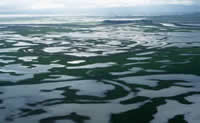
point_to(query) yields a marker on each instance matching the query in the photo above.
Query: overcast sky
(7, 6)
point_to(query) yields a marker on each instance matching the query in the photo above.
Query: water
(99, 69)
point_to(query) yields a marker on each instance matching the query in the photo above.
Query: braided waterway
(99, 70)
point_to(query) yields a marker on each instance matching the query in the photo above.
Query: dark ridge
(127, 21)
(188, 25)
(144, 114)
(178, 119)
(73, 116)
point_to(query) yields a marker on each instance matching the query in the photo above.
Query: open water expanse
(100, 69)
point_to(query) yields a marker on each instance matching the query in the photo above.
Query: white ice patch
(168, 111)
(8, 50)
(120, 73)
(28, 58)
(82, 54)
(167, 92)
(145, 53)
(17, 97)
(59, 78)
(76, 62)
(168, 24)
(155, 71)
(54, 35)
(164, 61)
(91, 88)
(55, 49)
(130, 71)
(98, 113)
(114, 43)
(139, 58)
(24, 71)
(152, 80)
(92, 66)
(6, 61)
(23, 44)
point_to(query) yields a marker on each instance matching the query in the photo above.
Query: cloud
(47, 5)
(120, 3)
(35, 5)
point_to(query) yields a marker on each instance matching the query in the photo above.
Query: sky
(85, 6)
